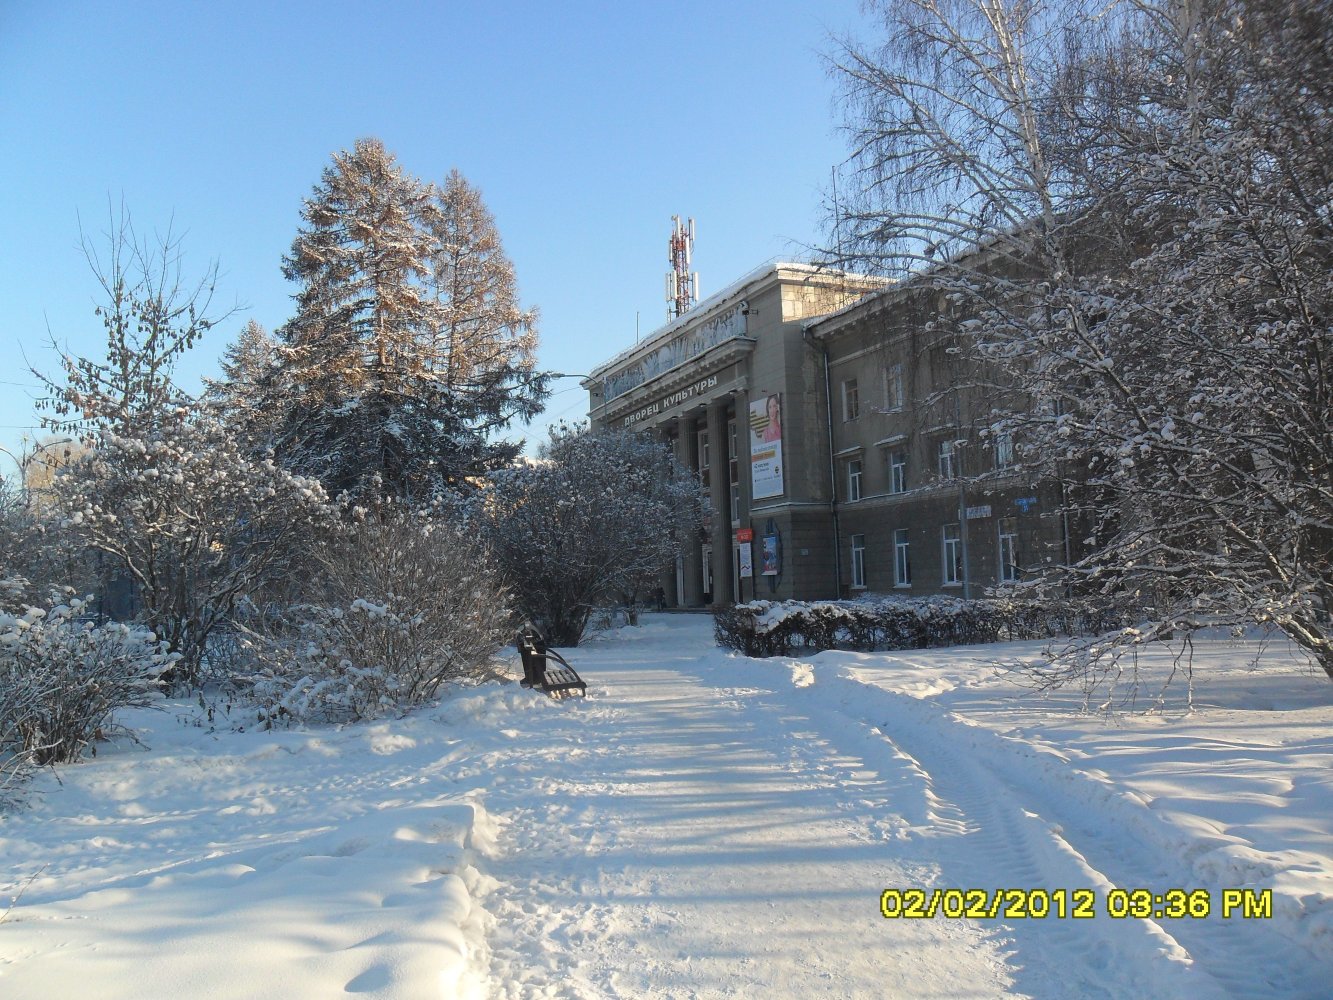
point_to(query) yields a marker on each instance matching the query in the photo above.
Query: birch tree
(1126, 211)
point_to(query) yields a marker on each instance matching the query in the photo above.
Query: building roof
(770, 270)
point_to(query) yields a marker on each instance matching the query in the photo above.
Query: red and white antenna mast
(682, 284)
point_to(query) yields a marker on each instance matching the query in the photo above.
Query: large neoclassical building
(841, 442)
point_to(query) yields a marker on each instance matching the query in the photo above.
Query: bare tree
(1125, 214)
(151, 314)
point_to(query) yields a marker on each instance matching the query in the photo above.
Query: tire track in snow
(958, 833)
(1114, 838)
(999, 817)
(1007, 845)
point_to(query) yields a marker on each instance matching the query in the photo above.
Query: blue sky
(585, 125)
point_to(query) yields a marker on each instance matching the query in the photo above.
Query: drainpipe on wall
(962, 494)
(832, 468)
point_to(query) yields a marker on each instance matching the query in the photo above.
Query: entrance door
(708, 573)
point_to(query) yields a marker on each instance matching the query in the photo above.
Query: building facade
(929, 499)
(840, 442)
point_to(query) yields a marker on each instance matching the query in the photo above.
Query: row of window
(950, 465)
(951, 555)
(893, 392)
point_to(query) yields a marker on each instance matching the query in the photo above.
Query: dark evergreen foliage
(408, 353)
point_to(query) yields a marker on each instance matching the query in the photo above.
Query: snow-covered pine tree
(245, 367)
(385, 385)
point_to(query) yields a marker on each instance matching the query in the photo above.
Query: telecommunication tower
(682, 284)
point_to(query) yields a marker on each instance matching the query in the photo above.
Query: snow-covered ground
(703, 825)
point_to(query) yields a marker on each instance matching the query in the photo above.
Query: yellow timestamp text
(1075, 904)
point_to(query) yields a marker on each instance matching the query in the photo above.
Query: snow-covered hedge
(767, 628)
(62, 677)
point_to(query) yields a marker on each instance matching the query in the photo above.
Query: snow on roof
(664, 333)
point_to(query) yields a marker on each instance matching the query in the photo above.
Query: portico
(726, 386)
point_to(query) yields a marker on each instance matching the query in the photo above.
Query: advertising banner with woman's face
(766, 447)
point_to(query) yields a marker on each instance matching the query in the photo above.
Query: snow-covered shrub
(35, 554)
(62, 677)
(196, 524)
(405, 603)
(593, 522)
(734, 628)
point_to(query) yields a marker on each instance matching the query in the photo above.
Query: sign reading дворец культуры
(673, 399)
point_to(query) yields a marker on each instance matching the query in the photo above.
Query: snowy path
(703, 825)
(706, 840)
(687, 848)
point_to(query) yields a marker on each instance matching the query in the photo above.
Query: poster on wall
(766, 447)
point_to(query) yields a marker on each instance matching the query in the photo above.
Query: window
(902, 563)
(734, 466)
(858, 562)
(851, 400)
(704, 465)
(853, 480)
(1008, 550)
(1004, 451)
(893, 387)
(952, 540)
(898, 472)
(950, 459)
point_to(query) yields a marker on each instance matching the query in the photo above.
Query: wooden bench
(538, 672)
